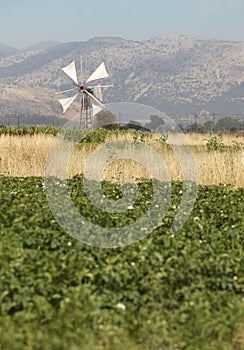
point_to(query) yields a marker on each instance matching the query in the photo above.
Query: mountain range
(179, 75)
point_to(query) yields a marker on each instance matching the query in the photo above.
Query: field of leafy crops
(166, 292)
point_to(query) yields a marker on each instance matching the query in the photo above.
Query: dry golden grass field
(27, 156)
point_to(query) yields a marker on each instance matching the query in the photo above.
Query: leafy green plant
(162, 140)
(29, 130)
(237, 145)
(214, 143)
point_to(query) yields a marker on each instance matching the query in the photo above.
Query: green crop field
(165, 292)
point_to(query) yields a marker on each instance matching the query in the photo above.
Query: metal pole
(195, 117)
(213, 122)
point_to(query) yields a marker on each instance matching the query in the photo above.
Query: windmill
(90, 104)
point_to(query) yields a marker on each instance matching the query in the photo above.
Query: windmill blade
(81, 68)
(94, 100)
(70, 70)
(99, 73)
(104, 86)
(98, 90)
(61, 92)
(96, 109)
(66, 102)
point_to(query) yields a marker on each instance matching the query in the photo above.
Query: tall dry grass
(24, 155)
(199, 139)
(27, 156)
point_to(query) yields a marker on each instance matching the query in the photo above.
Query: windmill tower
(91, 104)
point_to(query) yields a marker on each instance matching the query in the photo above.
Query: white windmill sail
(98, 92)
(99, 73)
(66, 102)
(70, 70)
(96, 109)
(95, 100)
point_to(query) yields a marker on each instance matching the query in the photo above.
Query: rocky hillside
(179, 75)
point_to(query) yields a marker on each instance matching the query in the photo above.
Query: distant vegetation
(227, 124)
(33, 120)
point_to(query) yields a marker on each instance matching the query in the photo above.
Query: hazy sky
(25, 22)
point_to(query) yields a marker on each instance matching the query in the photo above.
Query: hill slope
(177, 74)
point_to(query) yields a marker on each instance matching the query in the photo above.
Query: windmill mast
(86, 112)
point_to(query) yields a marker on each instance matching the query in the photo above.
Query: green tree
(155, 123)
(208, 126)
(105, 118)
(228, 124)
